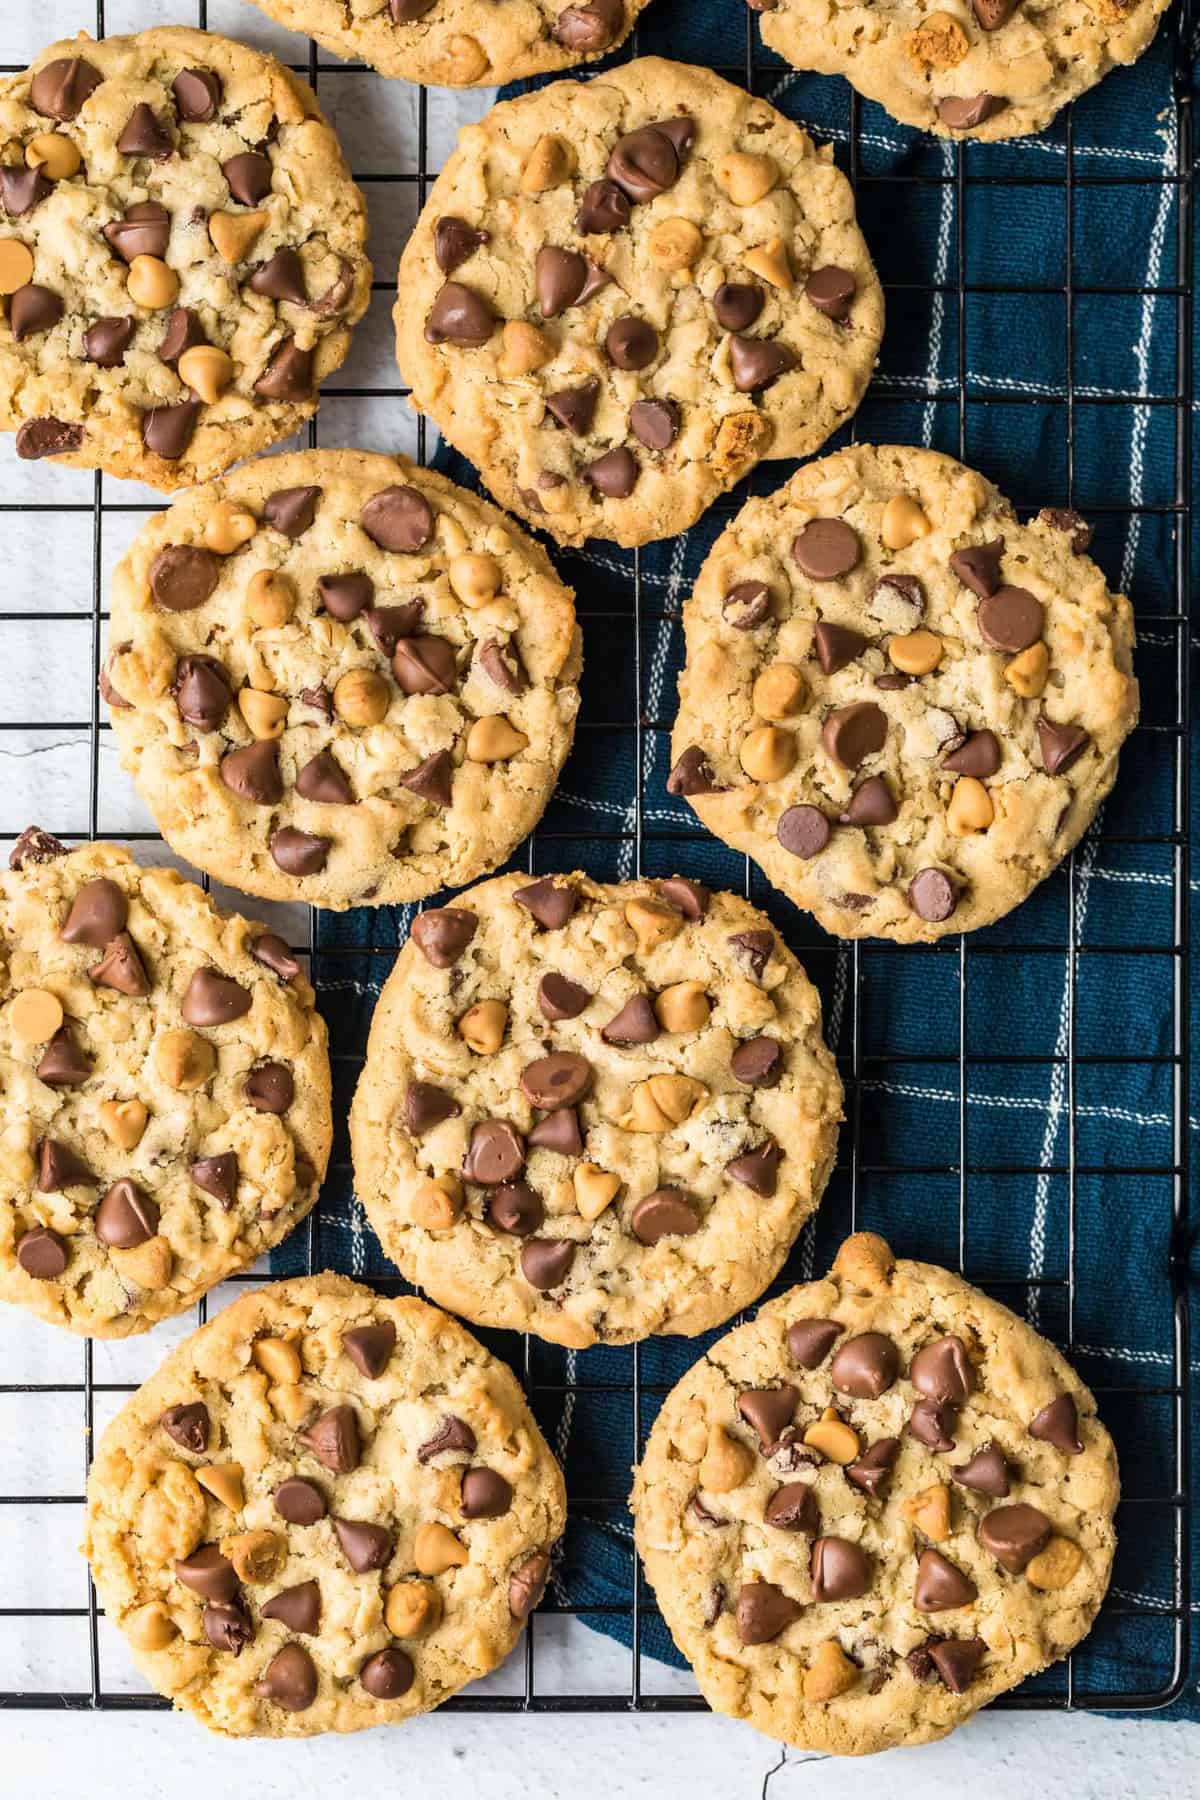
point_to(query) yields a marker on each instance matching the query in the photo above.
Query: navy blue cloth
(1059, 1166)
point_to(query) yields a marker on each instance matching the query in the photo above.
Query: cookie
(594, 1112)
(904, 705)
(326, 1510)
(876, 1507)
(336, 677)
(621, 295)
(164, 1104)
(182, 255)
(462, 43)
(990, 69)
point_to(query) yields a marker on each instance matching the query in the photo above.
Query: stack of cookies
(590, 1111)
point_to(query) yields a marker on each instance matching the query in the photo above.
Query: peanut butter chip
(35, 1015)
(16, 265)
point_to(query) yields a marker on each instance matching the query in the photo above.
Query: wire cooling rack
(1160, 1508)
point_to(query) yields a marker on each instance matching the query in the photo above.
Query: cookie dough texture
(228, 219)
(462, 43)
(989, 69)
(993, 760)
(625, 411)
(854, 1674)
(396, 1461)
(557, 1231)
(395, 670)
(174, 1023)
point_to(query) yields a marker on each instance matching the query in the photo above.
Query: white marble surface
(44, 775)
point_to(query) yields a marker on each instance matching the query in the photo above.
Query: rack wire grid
(1167, 1500)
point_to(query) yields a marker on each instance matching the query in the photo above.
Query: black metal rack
(1172, 1495)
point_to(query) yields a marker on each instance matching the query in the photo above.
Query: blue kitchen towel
(1063, 1153)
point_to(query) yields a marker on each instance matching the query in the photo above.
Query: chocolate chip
(168, 430)
(459, 316)
(334, 1441)
(978, 755)
(943, 1371)
(757, 947)
(249, 176)
(560, 1079)
(763, 1611)
(757, 363)
(502, 664)
(226, 1626)
(142, 135)
(1061, 745)
(289, 1679)
(769, 1410)
(121, 968)
(270, 1088)
(197, 95)
(214, 999)
(826, 550)
(689, 897)
(841, 1570)
(560, 998)
(991, 14)
(852, 733)
(108, 692)
(613, 475)
(442, 934)
(184, 332)
(188, 1425)
(63, 1063)
(699, 1511)
(692, 774)
(274, 954)
(1058, 1424)
(758, 1062)
(289, 374)
(388, 624)
(527, 1584)
(98, 912)
(954, 1659)
(603, 209)
(452, 1434)
(23, 189)
(978, 567)
(654, 423)
(667, 1212)
(803, 831)
(831, 290)
(546, 1262)
(454, 241)
(809, 1341)
(964, 114)
(253, 773)
(1014, 1535)
(932, 895)
(426, 1105)
(291, 510)
(281, 277)
(370, 1347)
(737, 304)
(299, 1502)
(635, 1023)
(550, 903)
(424, 665)
(558, 1131)
(873, 1470)
(431, 779)
(646, 162)
(33, 309)
(940, 1586)
(321, 780)
(932, 1423)
(747, 605)
(207, 1573)
(575, 408)
(218, 1176)
(41, 1254)
(58, 1167)
(298, 852)
(1011, 619)
(588, 29)
(201, 689)
(35, 847)
(106, 342)
(871, 803)
(60, 88)
(564, 278)
(388, 1674)
(495, 1153)
(183, 576)
(987, 1472)
(1059, 518)
(47, 437)
(299, 1608)
(515, 1208)
(793, 1507)
(364, 1546)
(865, 1366)
(399, 519)
(631, 343)
(485, 1494)
(757, 1169)
(125, 1217)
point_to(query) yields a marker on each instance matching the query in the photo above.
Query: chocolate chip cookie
(182, 254)
(336, 677)
(621, 295)
(991, 69)
(326, 1510)
(462, 43)
(881, 1504)
(164, 1107)
(594, 1112)
(905, 705)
